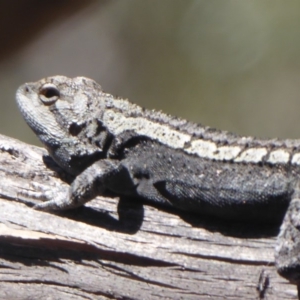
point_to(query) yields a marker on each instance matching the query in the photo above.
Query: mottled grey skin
(112, 145)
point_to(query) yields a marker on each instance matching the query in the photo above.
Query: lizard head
(65, 114)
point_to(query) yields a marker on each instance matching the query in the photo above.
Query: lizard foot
(55, 197)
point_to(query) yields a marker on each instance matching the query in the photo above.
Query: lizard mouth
(27, 112)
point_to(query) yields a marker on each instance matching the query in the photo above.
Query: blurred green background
(232, 64)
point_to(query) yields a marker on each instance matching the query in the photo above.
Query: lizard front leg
(86, 186)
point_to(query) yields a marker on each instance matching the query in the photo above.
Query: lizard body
(112, 145)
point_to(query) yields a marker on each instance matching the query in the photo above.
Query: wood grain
(122, 248)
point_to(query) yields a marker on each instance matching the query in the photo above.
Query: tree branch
(122, 249)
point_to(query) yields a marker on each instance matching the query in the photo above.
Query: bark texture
(121, 248)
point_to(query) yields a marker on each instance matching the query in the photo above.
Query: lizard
(113, 146)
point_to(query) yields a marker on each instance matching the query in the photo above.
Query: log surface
(121, 248)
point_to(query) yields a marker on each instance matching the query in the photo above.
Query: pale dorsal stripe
(118, 123)
(279, 156)
(210, 150)
(253, 155)
(296, 159)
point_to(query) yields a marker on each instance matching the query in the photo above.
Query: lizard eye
(49, 93)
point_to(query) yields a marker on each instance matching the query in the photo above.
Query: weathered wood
(113, 249)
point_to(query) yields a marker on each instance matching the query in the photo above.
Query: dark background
(234, 65)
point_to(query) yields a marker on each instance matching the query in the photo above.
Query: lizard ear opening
(49, 93)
